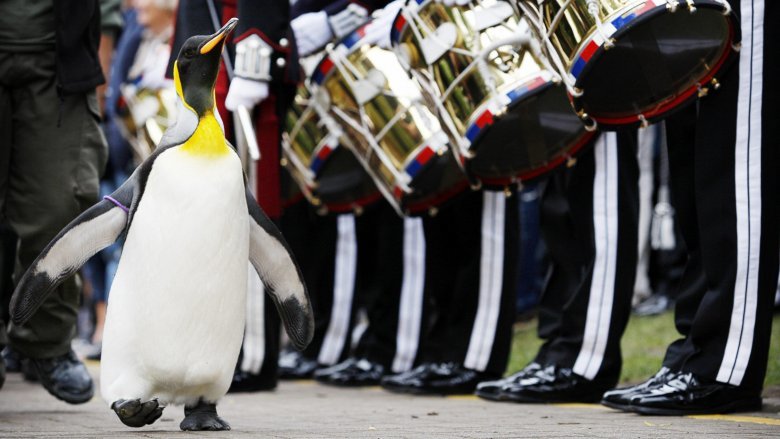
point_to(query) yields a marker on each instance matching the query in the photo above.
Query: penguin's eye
(189, 53)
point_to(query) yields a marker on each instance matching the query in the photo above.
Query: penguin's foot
(203, 416)
(134, 413)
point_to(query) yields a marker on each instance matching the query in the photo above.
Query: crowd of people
(681, 214)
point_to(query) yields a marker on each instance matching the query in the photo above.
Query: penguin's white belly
(176, 309)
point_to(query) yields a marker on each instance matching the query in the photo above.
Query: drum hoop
(322, 152)
(352, 205)
(594, 49)
(483, 117)
(418, 208)
(324, 68)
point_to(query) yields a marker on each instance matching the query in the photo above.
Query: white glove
(349, 19)
(378, 31)
(312, 31)
(454, 2)
(246, 92)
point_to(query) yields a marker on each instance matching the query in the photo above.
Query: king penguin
(176, 314)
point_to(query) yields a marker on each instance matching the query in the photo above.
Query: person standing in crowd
(326, 246)
(52, 156)
(589, 218)
(138, 66)
(723, 161)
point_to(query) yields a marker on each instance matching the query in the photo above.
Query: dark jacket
(78, 36)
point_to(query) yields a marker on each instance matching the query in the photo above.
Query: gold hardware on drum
(497, 98)
(395, 135)
(313, 146)
(493, 93)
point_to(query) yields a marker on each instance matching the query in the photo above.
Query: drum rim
(351, 42)
(683, 96)
(528, 87)
(557, 160)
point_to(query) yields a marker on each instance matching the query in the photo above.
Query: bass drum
(328, 174)
(496, 97)
(395, 135)
(628, 62)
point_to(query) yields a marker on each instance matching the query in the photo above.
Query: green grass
(643, 345)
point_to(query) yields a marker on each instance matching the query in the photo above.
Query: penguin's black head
(195, 71)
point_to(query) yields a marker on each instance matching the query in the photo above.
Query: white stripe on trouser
(747, 174)
(410, 309)
(645, 148)
(605, 233)
(491, 279)
(253, 349)
(343, 291)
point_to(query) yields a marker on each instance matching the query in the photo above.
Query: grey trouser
(52, 153)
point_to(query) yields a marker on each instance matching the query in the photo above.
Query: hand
(312, 31)
(378, 31)
(246, 92)
(347, 20)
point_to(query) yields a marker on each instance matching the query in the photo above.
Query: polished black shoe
(294, 366)
(492, 389)
(65, 377)
(250, 382)
(351, 372)
(437, 379)
(556, 384)
(686, 394)
(13, 360)
(409, 381)
(621, 398)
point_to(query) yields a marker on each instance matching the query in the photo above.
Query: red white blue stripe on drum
(320, 158)
(400, 23)
(486, 118)
(350, 40)
(415, 166)
(322, 70)
(398, 27)
(608, 29)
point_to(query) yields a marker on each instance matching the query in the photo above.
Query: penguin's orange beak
(219, 36)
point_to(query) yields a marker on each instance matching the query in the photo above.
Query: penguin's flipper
(273, 260)
(93, 230)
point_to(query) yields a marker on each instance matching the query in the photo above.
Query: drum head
(343, 184)
(656, 59)
(529, 139)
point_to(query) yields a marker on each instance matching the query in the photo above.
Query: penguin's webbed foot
(134, 413)
(203, 416)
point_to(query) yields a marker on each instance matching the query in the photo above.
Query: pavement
(305, 409)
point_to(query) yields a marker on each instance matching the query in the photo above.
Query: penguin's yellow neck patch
(208, 138)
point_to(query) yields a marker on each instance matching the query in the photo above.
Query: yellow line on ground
(464, 397)
(736, 418)
(580, 405)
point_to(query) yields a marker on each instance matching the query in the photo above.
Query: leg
(202, 416)
(134, 413)
(57, 155)
(722, 360)
(594, 264)
(380, 273)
